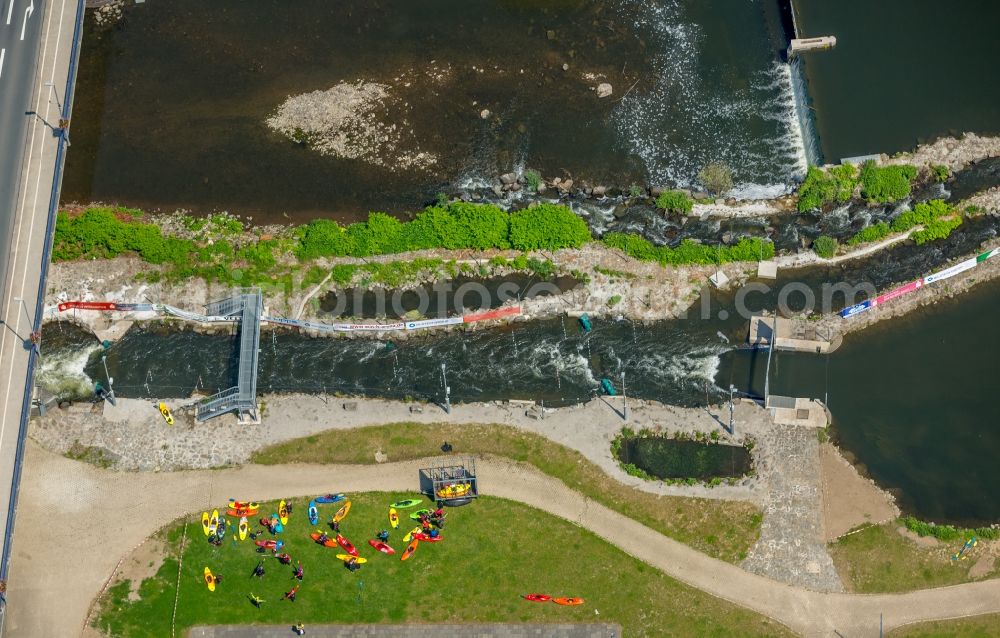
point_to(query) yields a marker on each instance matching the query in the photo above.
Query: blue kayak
(313, 513)
(330, 498)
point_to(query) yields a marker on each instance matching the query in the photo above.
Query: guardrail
(40, 303)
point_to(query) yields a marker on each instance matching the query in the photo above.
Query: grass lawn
(494, 551)
(975, 627)
(878, 559)
(722, 529)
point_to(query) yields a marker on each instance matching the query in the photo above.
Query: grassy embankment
(878, 559)
(493, 552)
(722, 529)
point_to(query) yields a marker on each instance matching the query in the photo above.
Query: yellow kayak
(454, 490)
(206, 525)
(209, 579)
(347, 557)
(167, 416)
(409, 534)
(393, 517)
(244, 528)
(342, 512)
(213, 523)
(283, 513)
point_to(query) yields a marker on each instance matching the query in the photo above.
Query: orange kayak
(329, 542)
(568, 600)
(412, 547)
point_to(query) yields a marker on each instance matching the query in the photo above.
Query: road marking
(10, 10)
(3, 52)
(27, 14)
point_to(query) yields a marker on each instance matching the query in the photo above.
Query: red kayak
(240, 513)
(269, 544)
(420, 536)
(538, 598)
(329, 542)
(346, 544)
(382, 547)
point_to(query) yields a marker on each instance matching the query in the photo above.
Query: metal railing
(243, 397)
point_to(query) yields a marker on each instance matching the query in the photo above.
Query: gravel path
(57, 496)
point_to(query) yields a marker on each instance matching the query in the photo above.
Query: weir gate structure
(247, 307)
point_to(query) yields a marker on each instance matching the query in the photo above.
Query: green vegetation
(532, 179)
(878, 559)
(547, 226)
(937, 218)
(634, 190)
(825, 247)
(947, 532)
(675, 202)
(478, 573)
(875, 232)
(885, 184)
(975, 627)
(690, 252)
(614, 301)
(940, 172)
(614, 274)
(724, 530)
(220, 252)
(716, 177)
(824, 187)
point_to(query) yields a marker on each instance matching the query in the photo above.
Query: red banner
(87, 305)
(493, 314)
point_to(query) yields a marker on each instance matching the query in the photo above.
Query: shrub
(885, 184)
(825, 247)
(940, 172)
(922, 213)
(690, 252)
(675, 202)
(874, 232)
(823, 187)
(937, 229)
(716, 177)
(532, 180)
(547, 226)
(614, 301)
(634, 190)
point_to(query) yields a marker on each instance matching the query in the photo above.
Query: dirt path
(58, 496)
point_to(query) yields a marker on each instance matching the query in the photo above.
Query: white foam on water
(62, 373)
(681, 123)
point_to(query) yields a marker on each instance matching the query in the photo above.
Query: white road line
(10, 10)
(27, 14)
(3, 52)
(20, 221)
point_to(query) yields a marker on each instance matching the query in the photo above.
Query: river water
(171, 103)
(903, 72)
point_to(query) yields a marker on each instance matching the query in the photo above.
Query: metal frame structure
(433, 478)
(242, 398)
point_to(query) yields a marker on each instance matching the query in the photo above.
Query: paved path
(58, 495)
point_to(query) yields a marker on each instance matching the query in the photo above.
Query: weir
(242, 398)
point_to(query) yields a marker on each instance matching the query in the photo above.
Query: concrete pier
(810, 413)
(800, 45)
(797, 336)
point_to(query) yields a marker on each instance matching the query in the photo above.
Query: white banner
(968, 264)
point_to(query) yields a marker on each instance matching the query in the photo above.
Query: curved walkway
(56, 529)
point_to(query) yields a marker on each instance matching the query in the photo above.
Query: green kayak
(410, 502)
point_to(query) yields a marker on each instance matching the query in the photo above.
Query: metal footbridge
(247, 307)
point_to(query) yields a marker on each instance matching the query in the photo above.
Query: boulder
(604, 90)
(485, 114)
(565, 185)
(508, 178)
(599, 191)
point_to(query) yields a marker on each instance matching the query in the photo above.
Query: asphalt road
(20, 36)
(36, 46)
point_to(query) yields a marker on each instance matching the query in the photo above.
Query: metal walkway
(241, 399)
